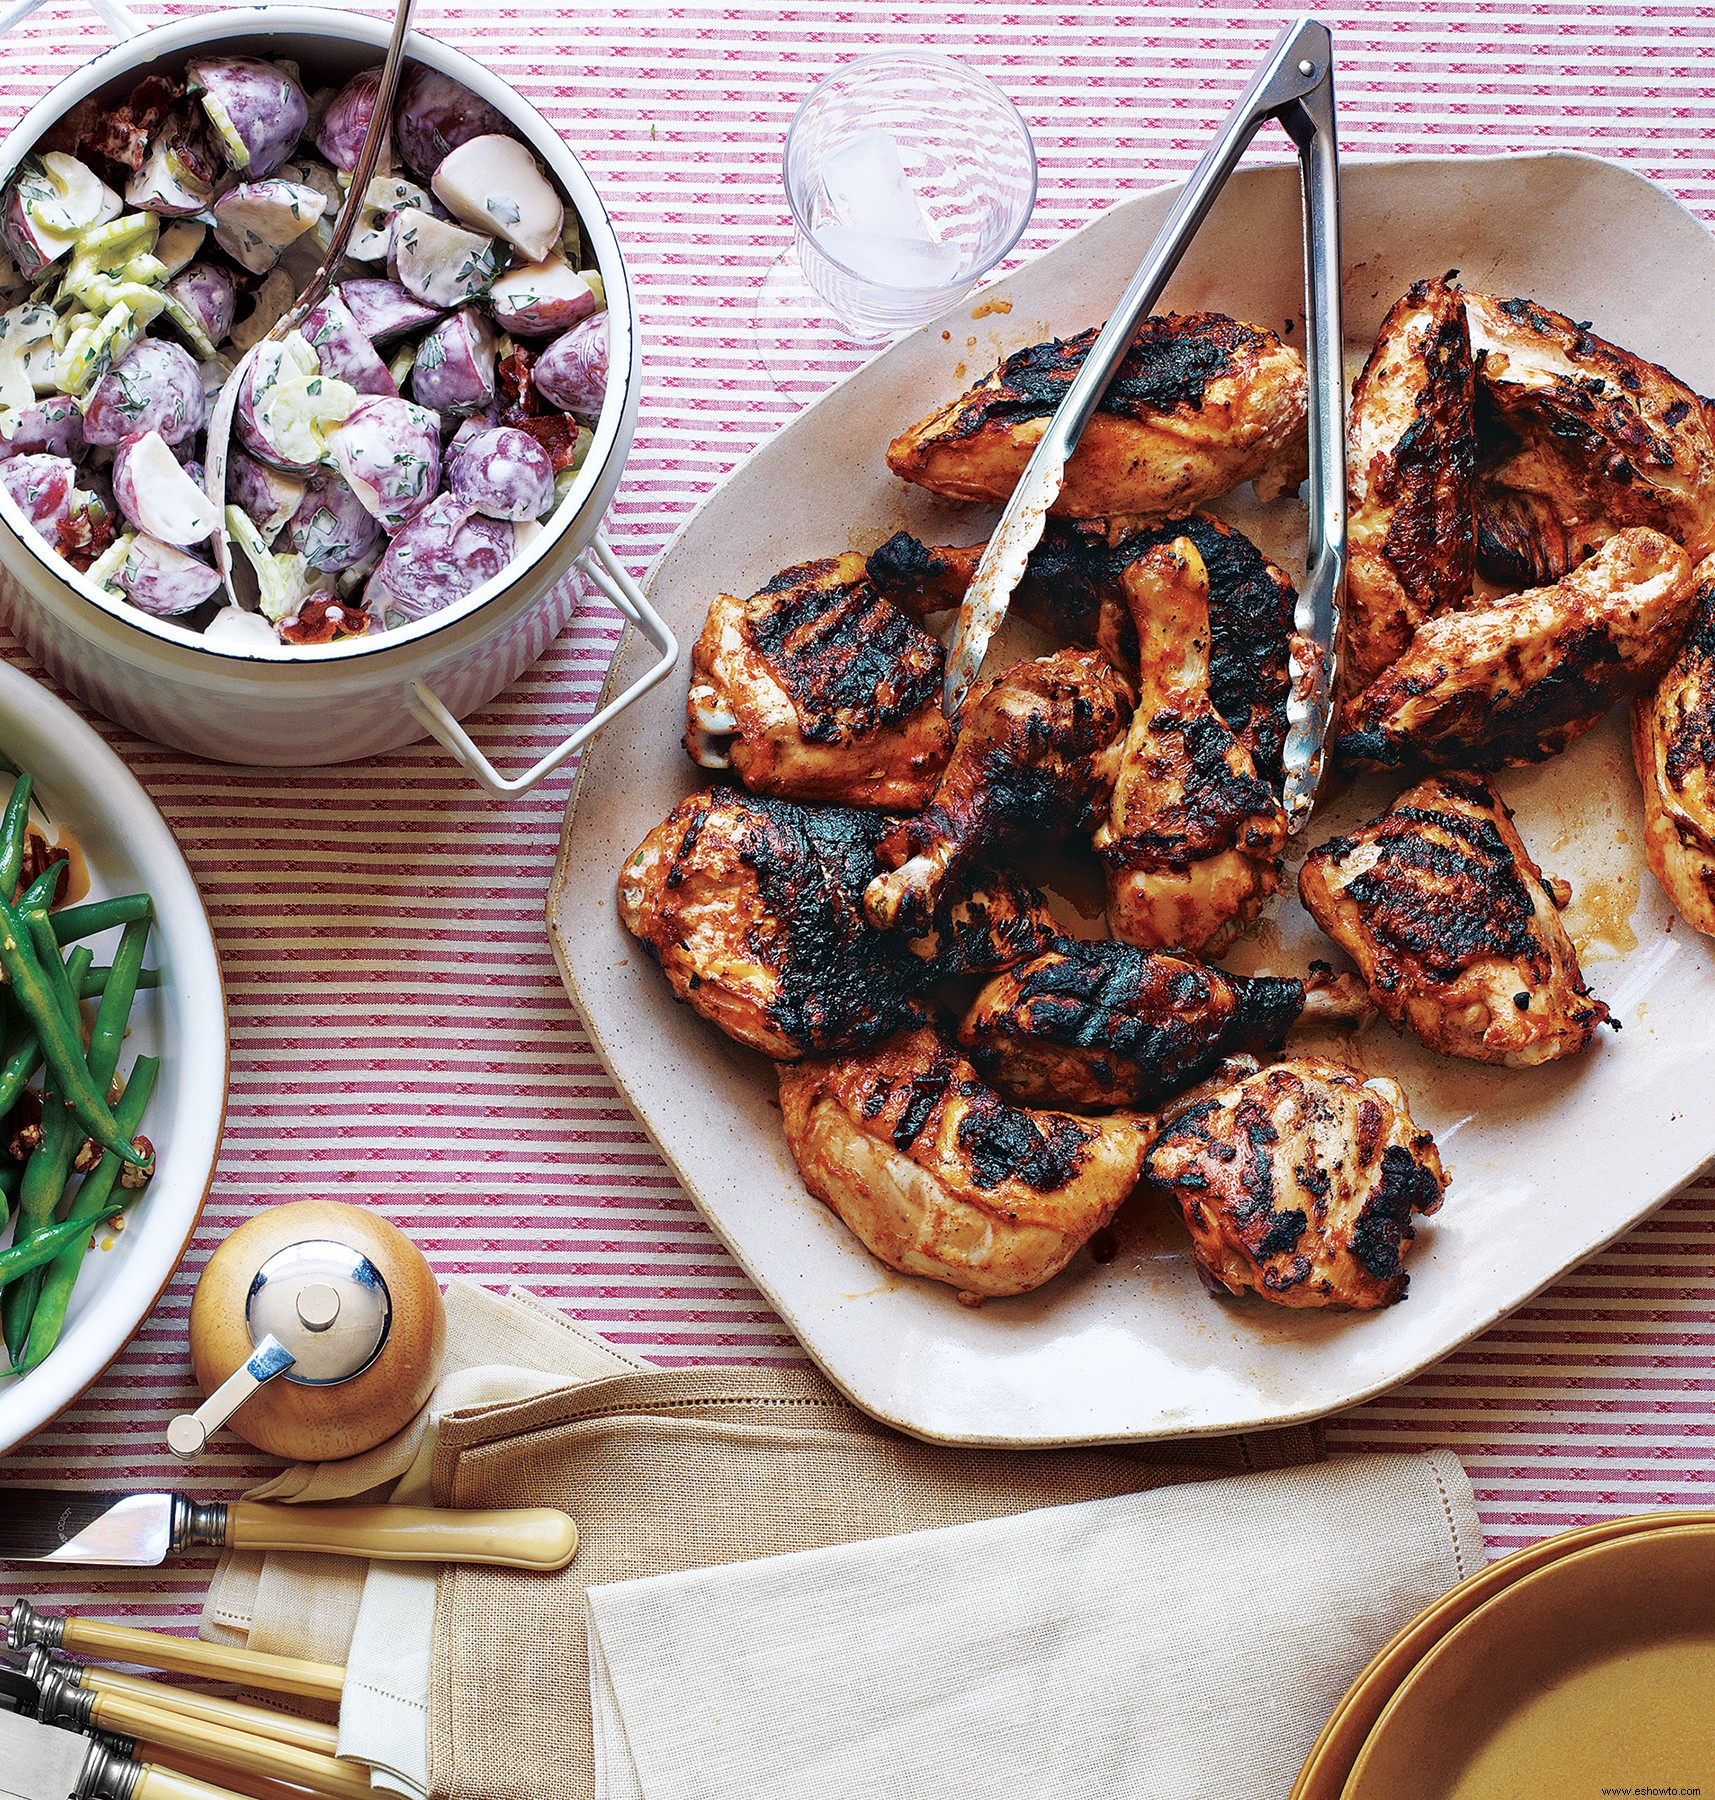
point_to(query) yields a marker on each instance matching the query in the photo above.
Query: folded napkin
(1189, 1642)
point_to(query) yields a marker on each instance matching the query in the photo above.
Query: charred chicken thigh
(1453, 927)
(1299, 1183)
(1037, 752)
(818, 689)
(1200, 404)
(1673, 745)
(1410, 447)
(1193, 836)
(938, 1176)
(1519, 679)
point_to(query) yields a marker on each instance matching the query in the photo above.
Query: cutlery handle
(167, 1784)
(165, 1760)
(190, 1656)
(191, 1703)
(221, 1745)
(525, 1537)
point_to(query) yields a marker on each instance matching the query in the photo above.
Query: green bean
(61, 1039)
(95, 982)
(47, 1243)
(45, 1176)
(35, 917)
(108, 1032)
(101, 915)
(22, 1061)
(91, 1203)
(14, 829)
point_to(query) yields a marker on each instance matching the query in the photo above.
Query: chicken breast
(939, 1177)
(1410, 448)
(1618, 436)
(1453, 927)
(1520, 678)
(1299, 1183)
(1534, 522)
(1673, 745)
(1200, 404)
(818, 689)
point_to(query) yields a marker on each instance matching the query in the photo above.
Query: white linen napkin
(1189, 1642)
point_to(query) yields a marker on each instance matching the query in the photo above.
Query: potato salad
(391, 454)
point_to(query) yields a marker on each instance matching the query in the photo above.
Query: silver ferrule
(110, 1772)
(65, 1701)
(195, 1524)
(26, 1627)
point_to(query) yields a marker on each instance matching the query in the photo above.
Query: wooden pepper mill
(316, 1332)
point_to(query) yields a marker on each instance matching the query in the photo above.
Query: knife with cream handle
(38, 1762)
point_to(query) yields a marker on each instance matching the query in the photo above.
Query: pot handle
(118, 19)
(602, 567)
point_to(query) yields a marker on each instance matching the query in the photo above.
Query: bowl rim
(109, 788)
(624, 359)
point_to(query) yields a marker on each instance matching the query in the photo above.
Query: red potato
(493, 185)
(383, 309)
(332, 529)
(446, 552)
(157, 387)
(341, 133)
(269, 497)
(256, 220)
(389, 451)
(257, 110)
(344, 349)
(208, 291)
(163, 581)
(541, 298)
(288, 404)
(157, 495)
(182, 169)
(435, 114)
(502, 473)
(454, 370)
(42, 487)
(51, 427)
(442, 264)
(571, 373)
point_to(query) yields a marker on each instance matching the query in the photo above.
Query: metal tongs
(1294, 84)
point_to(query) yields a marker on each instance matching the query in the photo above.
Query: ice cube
(867, 191)
(897, 262)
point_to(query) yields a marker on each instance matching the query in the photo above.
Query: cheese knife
(70, 1525)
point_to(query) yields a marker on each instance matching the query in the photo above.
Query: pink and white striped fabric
(399, 1034)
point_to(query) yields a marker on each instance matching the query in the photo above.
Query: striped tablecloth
(399, 1035)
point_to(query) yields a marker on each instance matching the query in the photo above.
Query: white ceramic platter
(90, 794)
(1547, 1165)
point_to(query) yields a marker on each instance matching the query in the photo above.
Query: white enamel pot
(284, 705)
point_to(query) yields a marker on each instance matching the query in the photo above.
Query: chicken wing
(1193, 837)
(1453, 928)
(1520, 678)
(754, 910)
(1673, 745)
(940, 1177)
(1104, 1024)
(1200, 404)
(1036, 754)
(1613, 434)
(818, 689)
(1072, 589)
(1299, 1183)
(1410, 448)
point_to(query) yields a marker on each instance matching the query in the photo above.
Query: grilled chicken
(1299, 1183)
(1453, 927)
(1036, 756)
(1103, 1024)
(1193, 837)
(1072, 589)
(1200, 404)
(940, 1177)
(1613, 436)
(1520, 678)
(1410, 446)
(1533, 525)
(754, 910)
(1673, 745)
(818, 689)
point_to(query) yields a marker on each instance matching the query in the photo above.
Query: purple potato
(540, 299)
(256, 220)
(163, 581)
(389, 451)
(42, 487)
(446, 552)
(343, 349)
(572, 372)
(454, 370)
(184, 164)
(332, 529)
(158, 495)
(258, 111)
(441, 263)
(268, 496)
(209, 292)
(52, 427)
(340, 137)
(435, 114)
(157, 387)
(502, 473)
(383, 310)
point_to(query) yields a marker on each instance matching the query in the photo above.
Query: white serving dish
(89, 793)
(1547, 1165)
(286, 704)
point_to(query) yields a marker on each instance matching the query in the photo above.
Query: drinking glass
(909, 177)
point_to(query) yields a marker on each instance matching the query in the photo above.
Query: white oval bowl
(88, 792)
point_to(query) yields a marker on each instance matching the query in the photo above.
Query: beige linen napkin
(1187, 1643)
